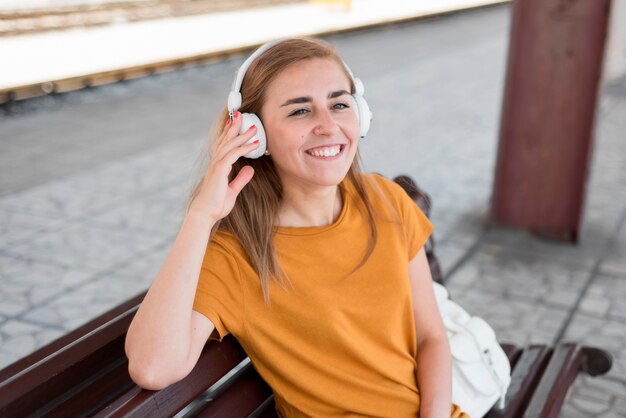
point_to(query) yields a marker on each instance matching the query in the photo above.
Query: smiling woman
(314, 135)
(317, 269)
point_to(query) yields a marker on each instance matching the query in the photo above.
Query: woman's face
(311, 124)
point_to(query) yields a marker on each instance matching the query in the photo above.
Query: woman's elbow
(147, 369)
(156, 375)
(147, 377)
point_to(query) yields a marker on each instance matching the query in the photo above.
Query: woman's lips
(326, 152)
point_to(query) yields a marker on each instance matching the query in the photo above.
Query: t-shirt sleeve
(219, 294)
(417, 227)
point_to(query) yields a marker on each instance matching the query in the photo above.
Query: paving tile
(590, 406)
(20, 338)
(620, 406)
(79, 305)
(518, 275)
(140, 173)
(594, 393)
(18, 226)
(569, 411)
(153, 214)
(597, 229)
(11, 304)
(60, 200)
(595, 305)
(612, 414)
(7, 358)
(24, 284)
(614, 265)
(604, 199)
(604, 333)
(448, 255)
(605, 297)
(615, 387)
(176, 157)
(514, 321)
(129, 175)
(146, 266)
(84, 245)
(460, 228)
(610, 292)
(596, 397)
(584, 253)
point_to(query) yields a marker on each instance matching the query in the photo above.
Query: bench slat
(266, 410)
(556, 380)
(241, 399)
(65, 340)
(216, 360)
(524, 377)
(93, 394)
(48, 384)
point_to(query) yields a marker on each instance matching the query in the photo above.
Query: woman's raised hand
(166, 336)
(216, 197)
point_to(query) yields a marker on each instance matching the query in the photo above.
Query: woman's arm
(166, 336)
(434, 361)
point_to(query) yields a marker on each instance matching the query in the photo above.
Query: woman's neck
(315, 206)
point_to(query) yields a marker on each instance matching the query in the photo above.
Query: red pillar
(553, 74)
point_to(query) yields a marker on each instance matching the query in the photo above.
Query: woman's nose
(325, 124)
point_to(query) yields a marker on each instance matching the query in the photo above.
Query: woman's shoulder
(225, 243)
(385, 194)
(377, 184)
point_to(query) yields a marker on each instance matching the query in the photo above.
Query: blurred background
(105, 108)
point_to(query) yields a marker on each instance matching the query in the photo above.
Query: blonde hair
(252, 219)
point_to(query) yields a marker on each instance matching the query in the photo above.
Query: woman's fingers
(229, 131)
(238, 152)
(241, 179)
(232, 127)
(238, 141)
(223, 166)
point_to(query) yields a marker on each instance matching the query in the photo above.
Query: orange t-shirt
(338, 341)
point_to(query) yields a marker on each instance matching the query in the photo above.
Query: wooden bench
(85, 373)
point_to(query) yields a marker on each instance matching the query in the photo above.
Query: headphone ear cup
(247, 120)
(363, 113)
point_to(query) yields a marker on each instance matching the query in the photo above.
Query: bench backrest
(89, 375)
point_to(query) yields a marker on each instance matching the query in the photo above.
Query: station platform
(92, 187)
(50, 56)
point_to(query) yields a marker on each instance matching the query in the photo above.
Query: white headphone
(363, 112)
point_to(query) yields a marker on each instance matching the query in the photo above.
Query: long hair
(253, 217)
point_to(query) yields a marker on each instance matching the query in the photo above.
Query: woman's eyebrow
(304, 99)
(308, 99)
(338, 93)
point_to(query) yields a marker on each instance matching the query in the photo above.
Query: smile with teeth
(330, 151)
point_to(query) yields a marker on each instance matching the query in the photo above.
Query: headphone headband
(234, 97)
(241, 71)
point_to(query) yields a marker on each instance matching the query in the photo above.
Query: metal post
(553, 73)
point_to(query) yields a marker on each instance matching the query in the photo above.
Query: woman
(316, 268)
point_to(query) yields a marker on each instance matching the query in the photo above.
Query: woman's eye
(341, 106)
(298, 112)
